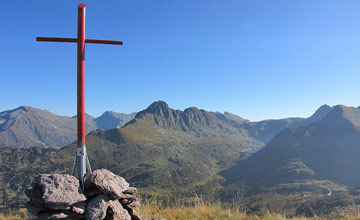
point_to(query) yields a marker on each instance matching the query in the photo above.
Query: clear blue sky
(257, 59)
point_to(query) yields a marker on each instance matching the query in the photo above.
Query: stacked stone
(58, 196)
(110, 197)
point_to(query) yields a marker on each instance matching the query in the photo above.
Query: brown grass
(201, 210)
(198, 211)
(20, 214)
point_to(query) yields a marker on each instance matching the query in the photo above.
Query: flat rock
(58, 191)
(96, 208)
(109, 183)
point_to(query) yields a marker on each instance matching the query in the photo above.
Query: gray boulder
(109, 183)
(55, 191)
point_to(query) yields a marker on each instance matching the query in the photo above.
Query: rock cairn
(58, 196)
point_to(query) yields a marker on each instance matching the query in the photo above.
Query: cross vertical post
(81, 150)
(81, 163)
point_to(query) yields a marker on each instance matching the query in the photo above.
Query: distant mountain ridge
(109, 120)
(45, 129)
(324, 150)
(26, 126)
(230, 118)
(265, 130)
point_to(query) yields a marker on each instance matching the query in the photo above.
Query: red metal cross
(81, 160)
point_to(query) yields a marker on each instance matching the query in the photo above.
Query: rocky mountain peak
(26, 126)
(319, 114)
(109, 114)
(342, 115)
(349, 113)
(159, 105)
(24, 108)
(192, 120)
(8, 118)
(337, 112)
(110, 120)
(192, 111)
(158, 109)
(19, 111)
(193, 115)
(324, 109)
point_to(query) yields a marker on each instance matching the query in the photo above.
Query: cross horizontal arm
(96, 41)
(75, 40)
(56, 39)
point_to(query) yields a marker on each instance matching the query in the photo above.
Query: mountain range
(328, 149)
(265, 130)
(27, 126)
(166, 153)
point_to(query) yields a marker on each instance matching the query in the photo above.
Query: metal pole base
(81, 165)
